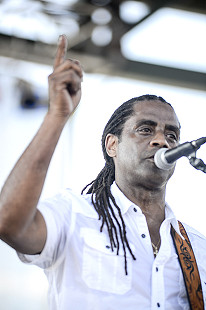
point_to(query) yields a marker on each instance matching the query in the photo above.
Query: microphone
(165, 159)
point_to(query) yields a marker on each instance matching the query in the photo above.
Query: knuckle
(51, 78)
(74, 64)
(72, 76)
(69, 62)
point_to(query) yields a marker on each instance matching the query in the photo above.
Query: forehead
(157, 111)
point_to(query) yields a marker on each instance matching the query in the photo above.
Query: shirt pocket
(103, 269)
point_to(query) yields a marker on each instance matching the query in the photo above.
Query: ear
(111, 143)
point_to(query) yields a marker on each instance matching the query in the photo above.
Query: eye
(144, 130)
(172, 136)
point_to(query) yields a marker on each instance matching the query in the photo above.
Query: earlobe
(111, 142)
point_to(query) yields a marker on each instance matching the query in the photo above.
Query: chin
(154, 181)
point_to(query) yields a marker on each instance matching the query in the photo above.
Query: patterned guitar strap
(189, 268)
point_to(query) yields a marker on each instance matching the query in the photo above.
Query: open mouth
(151, 158)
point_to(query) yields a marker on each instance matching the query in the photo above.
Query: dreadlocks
(102, 198)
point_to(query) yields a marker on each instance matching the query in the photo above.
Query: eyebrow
(153, 123)
(146, 122)
(173, 128)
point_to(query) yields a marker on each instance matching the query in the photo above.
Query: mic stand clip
(197, 163)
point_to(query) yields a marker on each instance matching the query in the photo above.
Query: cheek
(128, 158)
(127, 151)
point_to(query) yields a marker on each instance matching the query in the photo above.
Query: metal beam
(111, 64)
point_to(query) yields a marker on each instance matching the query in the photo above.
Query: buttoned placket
(158, 285)
(141, 229)
(157, 288)
(157, 296)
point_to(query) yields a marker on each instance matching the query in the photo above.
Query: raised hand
(64, 82)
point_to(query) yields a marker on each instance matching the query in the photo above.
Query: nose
(159, 140)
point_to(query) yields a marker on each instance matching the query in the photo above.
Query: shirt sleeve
(58, 215)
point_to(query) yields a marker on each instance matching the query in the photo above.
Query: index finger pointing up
(61, 51)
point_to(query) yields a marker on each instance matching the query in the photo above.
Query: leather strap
(189, 268)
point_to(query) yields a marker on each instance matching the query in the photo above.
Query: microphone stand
(197, 163)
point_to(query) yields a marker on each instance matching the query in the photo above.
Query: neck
(147, 199)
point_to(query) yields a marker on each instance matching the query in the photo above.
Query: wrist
(56, 117)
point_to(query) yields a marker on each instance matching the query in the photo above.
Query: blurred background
(127, 49)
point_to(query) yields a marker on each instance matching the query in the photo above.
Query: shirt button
(158, 305)
(143, 236)
(107, 246)
(157, 269)
(135, 210)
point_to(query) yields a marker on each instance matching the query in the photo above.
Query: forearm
(21, 225)
(23, 187)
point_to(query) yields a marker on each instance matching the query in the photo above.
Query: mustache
(150, 154)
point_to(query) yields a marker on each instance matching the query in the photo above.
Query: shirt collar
(121, 200)
(124, 204)
(169, 215)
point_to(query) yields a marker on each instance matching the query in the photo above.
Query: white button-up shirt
(83, 272)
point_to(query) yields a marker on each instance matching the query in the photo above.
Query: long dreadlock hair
(102, 198)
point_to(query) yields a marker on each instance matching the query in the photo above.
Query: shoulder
(193, 232)
(197, 240)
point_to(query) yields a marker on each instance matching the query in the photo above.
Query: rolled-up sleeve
(57, 213)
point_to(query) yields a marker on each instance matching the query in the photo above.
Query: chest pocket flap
(102, 268)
